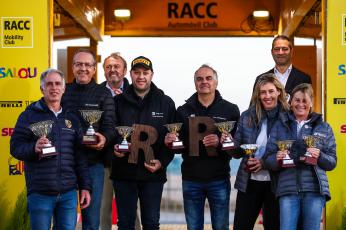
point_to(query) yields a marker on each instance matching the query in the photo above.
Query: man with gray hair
(205, 176)
(52, 176)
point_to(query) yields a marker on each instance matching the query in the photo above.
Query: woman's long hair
(256, 101)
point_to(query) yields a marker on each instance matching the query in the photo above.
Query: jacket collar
(194, 102)
(78, 86)
(314, 118)
(131, 96)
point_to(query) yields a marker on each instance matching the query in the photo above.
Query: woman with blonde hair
(254, 182)
(302, 190)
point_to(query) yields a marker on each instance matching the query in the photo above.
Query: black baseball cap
(141, 61)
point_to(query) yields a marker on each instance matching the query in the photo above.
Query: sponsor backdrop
(336, 106)
(24, 54)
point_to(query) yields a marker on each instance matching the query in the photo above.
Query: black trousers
(248, 205)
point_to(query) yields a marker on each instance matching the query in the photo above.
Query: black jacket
(155, 109)
(55, 174)
(204, 168)
(92, 96)
(295, 78)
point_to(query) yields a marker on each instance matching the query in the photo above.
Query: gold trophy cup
(90, 116)
(287, 162)
(125, 132)
(42, 129)
(226, 127)
(249, 149)
(174, 128)
(310, 141)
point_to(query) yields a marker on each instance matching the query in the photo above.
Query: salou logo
(342, 70)
(24, 72)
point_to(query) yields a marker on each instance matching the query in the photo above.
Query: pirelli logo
(339, 101)
(141, 60)
(11, 104)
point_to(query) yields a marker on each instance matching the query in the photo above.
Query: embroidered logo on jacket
(68, 123)
(156, 114)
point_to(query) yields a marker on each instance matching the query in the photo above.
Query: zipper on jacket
(59, 155)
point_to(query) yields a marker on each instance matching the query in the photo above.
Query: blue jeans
(306, 206)
(43, 207)
(91, 214)
(127, 194)
(217, 193)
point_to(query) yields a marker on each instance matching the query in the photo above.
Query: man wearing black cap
(142, 103)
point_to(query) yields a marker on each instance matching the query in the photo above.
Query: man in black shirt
(205, 176)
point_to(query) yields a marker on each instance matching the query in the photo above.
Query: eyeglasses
(81, 64)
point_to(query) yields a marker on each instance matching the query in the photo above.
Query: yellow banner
(336, 107)
(25, 45)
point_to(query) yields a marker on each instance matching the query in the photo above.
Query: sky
(237, 60)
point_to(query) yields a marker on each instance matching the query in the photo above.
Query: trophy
(90, 116)
(249, 149)
(226, 127)
(125, 132)
(42, 129)
(310, 141)
(287, 162)
(174, 128)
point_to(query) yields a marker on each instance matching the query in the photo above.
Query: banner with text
(336, 107)
(25, 53)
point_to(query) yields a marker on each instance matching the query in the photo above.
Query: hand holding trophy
(125, 132)
(287, 161)
(226, 127)
(249, 149)
(42, 129)
(174, 128)
(311, 142)
(90, 116)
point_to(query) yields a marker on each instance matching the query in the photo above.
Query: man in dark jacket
(52, 181)
(115, 68)
(288, 75)
(85, 94)
(145, 104)
(205, 176)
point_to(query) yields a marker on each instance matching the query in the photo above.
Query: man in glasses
(288, 75)
(85, 94)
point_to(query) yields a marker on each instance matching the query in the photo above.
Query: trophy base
(48, 151)
(122, 148)
(177, 145)
(227, 146)
(89, 140)
(287, 163)
(308, 160)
